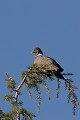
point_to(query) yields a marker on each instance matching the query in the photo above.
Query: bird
(49, 64)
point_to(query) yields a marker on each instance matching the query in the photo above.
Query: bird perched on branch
(49, 64)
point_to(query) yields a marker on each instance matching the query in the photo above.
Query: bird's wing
(48, 63)
(56, 64)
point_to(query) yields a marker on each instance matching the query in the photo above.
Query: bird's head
(37, 51)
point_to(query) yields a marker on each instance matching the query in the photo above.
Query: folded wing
(48, 63)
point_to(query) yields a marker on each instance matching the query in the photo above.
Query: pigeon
(48, 63)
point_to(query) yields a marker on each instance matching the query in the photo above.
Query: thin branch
(18, 116)
(17, 93)
(19, 87)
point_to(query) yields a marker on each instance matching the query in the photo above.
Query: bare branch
(19, 87)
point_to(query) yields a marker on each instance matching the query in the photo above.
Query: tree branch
(19, 87)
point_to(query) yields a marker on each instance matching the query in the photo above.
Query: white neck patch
(39, 54)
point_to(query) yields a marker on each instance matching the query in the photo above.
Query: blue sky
(54, 26)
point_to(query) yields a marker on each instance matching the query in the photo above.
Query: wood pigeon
(49, 64)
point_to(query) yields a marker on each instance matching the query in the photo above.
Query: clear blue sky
(53, 25)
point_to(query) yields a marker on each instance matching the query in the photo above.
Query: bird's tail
(59, 75)
(56, 74)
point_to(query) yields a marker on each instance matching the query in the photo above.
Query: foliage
(37, 76)
(33, 79)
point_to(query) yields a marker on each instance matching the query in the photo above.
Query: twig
(17, 93)
(18, 116)
(18, 88)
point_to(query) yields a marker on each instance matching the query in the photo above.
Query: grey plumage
(48, 63)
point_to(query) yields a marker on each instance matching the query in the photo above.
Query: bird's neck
(39, 54)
